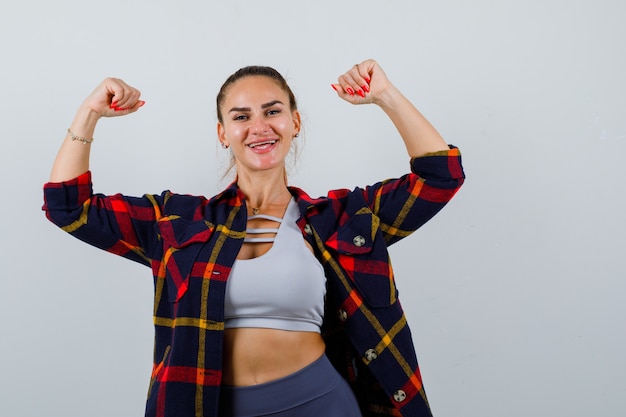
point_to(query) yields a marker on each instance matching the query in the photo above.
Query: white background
(515, 292)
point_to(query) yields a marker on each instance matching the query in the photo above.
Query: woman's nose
(259, 126)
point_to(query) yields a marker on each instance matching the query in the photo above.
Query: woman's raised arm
(367, 83)
(113, 97)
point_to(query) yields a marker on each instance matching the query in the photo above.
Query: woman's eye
(273, 112)
(240, 117)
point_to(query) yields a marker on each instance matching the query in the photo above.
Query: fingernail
(113, 105)
(367, 80)
(365, 88)
(141, 103)
(361, 93)
(350, 91)
(333, 86)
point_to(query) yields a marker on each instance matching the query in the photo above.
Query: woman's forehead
(254, 88)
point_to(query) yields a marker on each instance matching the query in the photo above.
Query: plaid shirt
(191, 244)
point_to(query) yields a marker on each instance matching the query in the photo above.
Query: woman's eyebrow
(271, 103)
(263, 106)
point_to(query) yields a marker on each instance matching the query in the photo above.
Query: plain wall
(514, 292)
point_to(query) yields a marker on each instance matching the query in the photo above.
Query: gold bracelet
(79, 138)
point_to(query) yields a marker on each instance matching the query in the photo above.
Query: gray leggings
(314, 391)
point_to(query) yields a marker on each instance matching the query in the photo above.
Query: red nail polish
(350, 91)
(361, 93)
(367, 80)
(141, 103)
(333, 86)
(365, 88)
(113, 105)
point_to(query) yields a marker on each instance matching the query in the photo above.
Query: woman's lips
(262, 145)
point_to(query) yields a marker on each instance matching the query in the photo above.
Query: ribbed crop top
(282, 289)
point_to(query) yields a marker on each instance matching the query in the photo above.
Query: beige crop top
(281, 289)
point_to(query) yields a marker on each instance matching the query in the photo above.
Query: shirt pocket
(182, 239)
(362, 253)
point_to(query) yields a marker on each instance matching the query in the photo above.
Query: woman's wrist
(85, 121)
(394, 103)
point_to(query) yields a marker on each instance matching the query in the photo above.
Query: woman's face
(258, 124)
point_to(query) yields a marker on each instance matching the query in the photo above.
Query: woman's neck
(264, 190)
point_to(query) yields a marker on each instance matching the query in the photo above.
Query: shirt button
(358, 241)
(343, 315)
(307, 229)
(399, 396)
(370, 355)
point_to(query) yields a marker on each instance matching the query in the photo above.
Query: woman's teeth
(268, 142)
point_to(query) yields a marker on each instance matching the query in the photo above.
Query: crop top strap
(262, 230)
(259, 239)
(266, 217)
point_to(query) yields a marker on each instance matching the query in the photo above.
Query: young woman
(268, 301)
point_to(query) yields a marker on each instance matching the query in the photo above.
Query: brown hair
(251, 71)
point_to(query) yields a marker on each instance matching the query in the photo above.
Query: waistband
(307, 384)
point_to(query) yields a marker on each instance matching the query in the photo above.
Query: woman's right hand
(113, 97)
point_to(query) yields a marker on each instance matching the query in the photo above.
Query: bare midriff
(254, 356)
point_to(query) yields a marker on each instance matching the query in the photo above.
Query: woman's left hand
(367, 83)
(364, 83)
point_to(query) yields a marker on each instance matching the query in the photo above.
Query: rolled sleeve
(405, 204)
(67, 195)
(443, 167)
(118, 224)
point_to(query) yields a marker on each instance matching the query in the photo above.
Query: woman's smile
(262, 146)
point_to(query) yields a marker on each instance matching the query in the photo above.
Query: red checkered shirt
(191, 244)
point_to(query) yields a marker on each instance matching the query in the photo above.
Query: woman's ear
(297, 122)
(221, 136)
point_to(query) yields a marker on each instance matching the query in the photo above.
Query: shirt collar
(229, 193)
(305, 202)
(233, 194)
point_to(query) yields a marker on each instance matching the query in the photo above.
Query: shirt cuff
(442, 165)
(67, 195)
